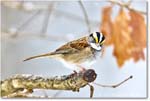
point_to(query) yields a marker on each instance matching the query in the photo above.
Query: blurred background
(30, 28)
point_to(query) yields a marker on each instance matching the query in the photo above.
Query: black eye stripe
(98, 35)
(103, 38)
(91, 35)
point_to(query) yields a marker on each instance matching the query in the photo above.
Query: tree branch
(22, 85)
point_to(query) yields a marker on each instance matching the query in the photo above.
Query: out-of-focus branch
(47, 17)
(26, 22)
(52, 37)
(22, 5)
(85, 16)
(22, 85)
(126, 5)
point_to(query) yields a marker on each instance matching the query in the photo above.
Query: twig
(51, 37)
(16, 85)
(85, 16)
(115, 85)
(92, 90)
(126, 5)
(46, 20)
(25, 23)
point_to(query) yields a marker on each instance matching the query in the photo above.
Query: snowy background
(65, 23)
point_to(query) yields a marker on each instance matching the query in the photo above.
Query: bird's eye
(91, 39)
(91, 35)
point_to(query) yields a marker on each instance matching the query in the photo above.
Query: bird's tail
(38, 56)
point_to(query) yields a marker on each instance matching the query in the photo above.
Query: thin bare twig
(85, 16)
(49, 37)
(115, 85)
(26, 22)
(92, 90)
(126, 5)
(46, 20)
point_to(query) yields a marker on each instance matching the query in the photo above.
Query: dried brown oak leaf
(127, 33)
(122, 41)
(138, 34)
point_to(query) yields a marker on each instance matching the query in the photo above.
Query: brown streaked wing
(73, 46)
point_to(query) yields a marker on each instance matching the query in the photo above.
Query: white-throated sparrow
(78, 53)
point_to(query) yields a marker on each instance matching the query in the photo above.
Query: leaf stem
(126, 5)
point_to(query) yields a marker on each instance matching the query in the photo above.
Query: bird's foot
(82, 69)
(73, 74)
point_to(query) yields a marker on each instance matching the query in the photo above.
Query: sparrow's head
(96, 40)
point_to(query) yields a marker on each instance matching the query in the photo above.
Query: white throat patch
(93, 45)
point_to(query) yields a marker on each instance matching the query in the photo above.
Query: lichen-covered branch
(22, 84)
